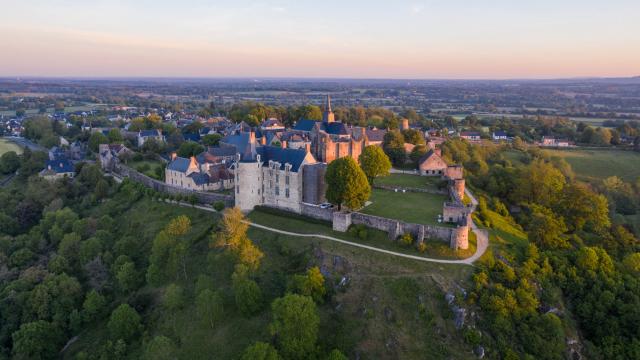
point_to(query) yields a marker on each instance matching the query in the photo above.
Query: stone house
(109, 155)
(192, 175)
(57, 169)
(145, 135)
(431, 164)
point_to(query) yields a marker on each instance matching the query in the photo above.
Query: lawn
(411, 207)
(376, 238)
(151, 168)
(6, 146)
(595, 165)
(410, 181)
(390, 308)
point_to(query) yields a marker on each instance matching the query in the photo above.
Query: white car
(326, 206)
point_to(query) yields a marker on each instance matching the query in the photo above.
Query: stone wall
(396, 228)
(411, 189)
(203, 197)
(316, 212)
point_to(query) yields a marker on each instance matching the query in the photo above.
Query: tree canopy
(347, 184)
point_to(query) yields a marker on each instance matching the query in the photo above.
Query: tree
(346, 184)
(189, 148)
(248, 295)
(295, 326)
(540, 183)
(160, 348)
(580, 206)
(413, 136)
(417, 153)
(311, 284)
(37, 340)
(260, 351)
(310, 112)
(210, 307)
(336, 354)
(374, 162)
(93, 306)
(173, 297)
(547, 229)
(9, 162)
(124, 323)
(115, 137)
(96, 139)
(211, 139)
(127, 277)
(233, 237)
(393, 145)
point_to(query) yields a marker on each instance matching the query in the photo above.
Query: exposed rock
(479, 351)
(450, 298)
(459, 316)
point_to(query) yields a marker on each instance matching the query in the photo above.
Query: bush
(422, 247)
(359, 231)
(218, 206)
(137, 157)
(406, 239)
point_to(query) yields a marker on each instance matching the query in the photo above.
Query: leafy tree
(9, 162)
(233, 237)
(295, 326)
(393, 145)
(189, 148)
(540, 183)
(546, 229)
(417, 153)
(413, 136)
(173, 297)
(248, 295)
(374, 162)
(346, 184)
(37, 340)
(124, 323)
(161, 348)
(211, 139)
(210, 307)
(96, 139)
(580, 206)
(127, 277)
(311, 112)
(336, 354)
(311, 284)
(93, 307)
(115, 137)
(260, 351)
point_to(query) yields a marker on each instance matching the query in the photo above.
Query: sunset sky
(345, 39)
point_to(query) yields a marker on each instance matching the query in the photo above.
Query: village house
(272, 125)
(145, 135)
(499, 135)
(109, 155)
(470, 135)
(57, 169)
(551, 141)
(188, 173)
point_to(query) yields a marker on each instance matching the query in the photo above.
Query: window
(277, 190)
(286, 179)
(286, 192)
(237, 189)
(277, 178)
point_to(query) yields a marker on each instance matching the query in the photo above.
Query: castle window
(277, 190)
(277, 178)
(237, 189)
(286, 180)
(286, 192)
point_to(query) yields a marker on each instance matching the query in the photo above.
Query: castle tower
(404, 124)
(327, 115)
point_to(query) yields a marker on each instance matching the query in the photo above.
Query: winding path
(481, 235)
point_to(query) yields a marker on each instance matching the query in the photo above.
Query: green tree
(173, 297)
(248, 295)
(210, 307)
(211, 139)
(127, 277)
(37, 340)
(336, 354)
(260, 351)
(233, 237)
(311, 284)
(374, 162)
(161, 348)
(115, 137)
(346, 184)
(124, 323)
(580, 206)
(96, 139)
(393, 145)
(9, 162)
(413, 136)
(311, 112)
(93, 307)
(547, 229)
(189, 148)
(295, 326)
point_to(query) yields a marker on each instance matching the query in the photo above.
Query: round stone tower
(460, 238)
(405, 124)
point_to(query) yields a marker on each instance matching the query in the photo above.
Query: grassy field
(435, 248)
(391, 308)
(149, 168)
(595, 165)
(419, 208)
(6, 146)
(409, 181)
(51, 110)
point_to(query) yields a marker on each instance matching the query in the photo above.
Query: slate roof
(375, 134)
(499, 133)
(271, 122)
(191, 137)
(469, 133)
(60, 166)
(242, 144)
(295, 157)
(148, 133)
(426, 156)
(179, 164)
(305, 124)
(199, 178)
(335, 128)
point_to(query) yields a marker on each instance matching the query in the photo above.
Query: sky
(429, 39)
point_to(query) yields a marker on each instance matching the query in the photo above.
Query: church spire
(327, 115)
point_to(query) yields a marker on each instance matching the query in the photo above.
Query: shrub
(218, 205)
(422, 247)
(137, 157)
(406, 239)
(359, 231)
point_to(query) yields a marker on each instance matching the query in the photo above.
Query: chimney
(405, 124)
(173, 156)
(307, 147)
(252, 137)
(263, 140)
(283, 144)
